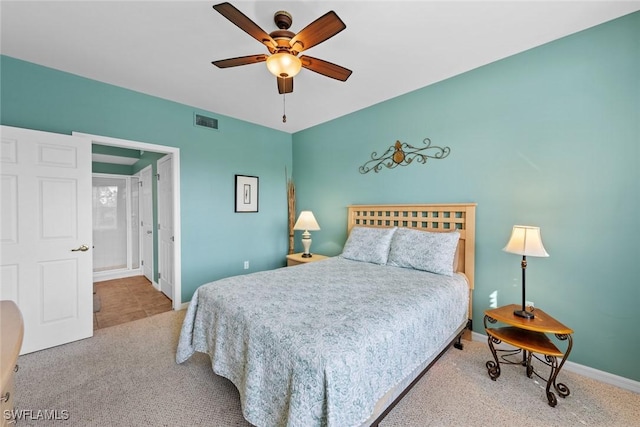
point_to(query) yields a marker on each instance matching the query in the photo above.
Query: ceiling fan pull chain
(284, 109)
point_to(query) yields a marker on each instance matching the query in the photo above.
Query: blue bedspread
(318, 344)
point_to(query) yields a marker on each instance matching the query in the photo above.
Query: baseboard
(595, 374)
(102, 276)
(605, 377)
(184, 305)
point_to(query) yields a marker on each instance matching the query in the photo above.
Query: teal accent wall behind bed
(549, 137)
(215, 239)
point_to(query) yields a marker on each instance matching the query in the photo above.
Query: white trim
(101, 276)
(602, 376)
(118, 160)
(185, 305)
(594, 374)
(137, 145)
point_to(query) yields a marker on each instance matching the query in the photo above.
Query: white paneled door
(46, 234)
(166, 226)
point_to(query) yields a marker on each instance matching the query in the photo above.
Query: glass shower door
(116, 223)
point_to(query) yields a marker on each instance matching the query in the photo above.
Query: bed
(338, 342)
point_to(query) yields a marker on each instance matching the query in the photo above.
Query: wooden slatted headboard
(428, 217)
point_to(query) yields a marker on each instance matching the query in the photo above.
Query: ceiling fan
(284, 46)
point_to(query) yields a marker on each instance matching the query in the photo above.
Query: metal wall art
(402, 154)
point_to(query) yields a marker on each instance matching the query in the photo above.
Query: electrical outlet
(529, 304)
(246, 265)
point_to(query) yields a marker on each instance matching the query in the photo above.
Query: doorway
(116, 225)
(174, 179)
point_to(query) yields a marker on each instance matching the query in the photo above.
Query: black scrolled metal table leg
(493, 368)
(553, 362)
(529, 365)
(562, 389)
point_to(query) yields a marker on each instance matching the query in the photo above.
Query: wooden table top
(542, 322)
(314, 257)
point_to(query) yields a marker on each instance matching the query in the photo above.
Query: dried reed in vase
(291, 205)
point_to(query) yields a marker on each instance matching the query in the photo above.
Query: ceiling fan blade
(245, 24)
(325, 68)
(242, 60)
(323, 28)
(285, 84)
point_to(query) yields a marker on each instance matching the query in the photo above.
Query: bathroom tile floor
(124, 300)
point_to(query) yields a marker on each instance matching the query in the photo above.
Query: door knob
(149, 232)
(82, 248)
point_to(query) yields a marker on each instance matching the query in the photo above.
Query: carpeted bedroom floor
(127, 375)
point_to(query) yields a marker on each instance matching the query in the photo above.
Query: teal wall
(215, 240)
(549, 137)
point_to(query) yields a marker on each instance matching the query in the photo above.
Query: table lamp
(525, 241)
(306, 221)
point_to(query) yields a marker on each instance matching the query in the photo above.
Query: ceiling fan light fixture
(284, 64)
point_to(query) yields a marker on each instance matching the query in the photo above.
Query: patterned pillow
(368, 244)
(424, 250)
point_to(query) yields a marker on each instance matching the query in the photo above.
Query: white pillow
(424, 250)
(368, 244)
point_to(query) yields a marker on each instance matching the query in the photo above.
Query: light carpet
(127, 375)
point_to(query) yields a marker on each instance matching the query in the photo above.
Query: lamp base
(524, 313)
(306, 244)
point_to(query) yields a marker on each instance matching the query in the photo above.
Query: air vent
(206, 122)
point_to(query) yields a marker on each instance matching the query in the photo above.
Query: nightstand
(297, 259)
(529, 336)
(12, 327)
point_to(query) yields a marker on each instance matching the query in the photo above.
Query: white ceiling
(165, 48)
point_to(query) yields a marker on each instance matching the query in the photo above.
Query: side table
(12, 332)
(529, 336)
(297, 259)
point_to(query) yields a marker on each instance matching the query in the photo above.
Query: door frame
(175, 180)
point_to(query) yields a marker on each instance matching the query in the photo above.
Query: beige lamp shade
(306, 221)
(526, 240)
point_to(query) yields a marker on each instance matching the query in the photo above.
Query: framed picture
(246, 193)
